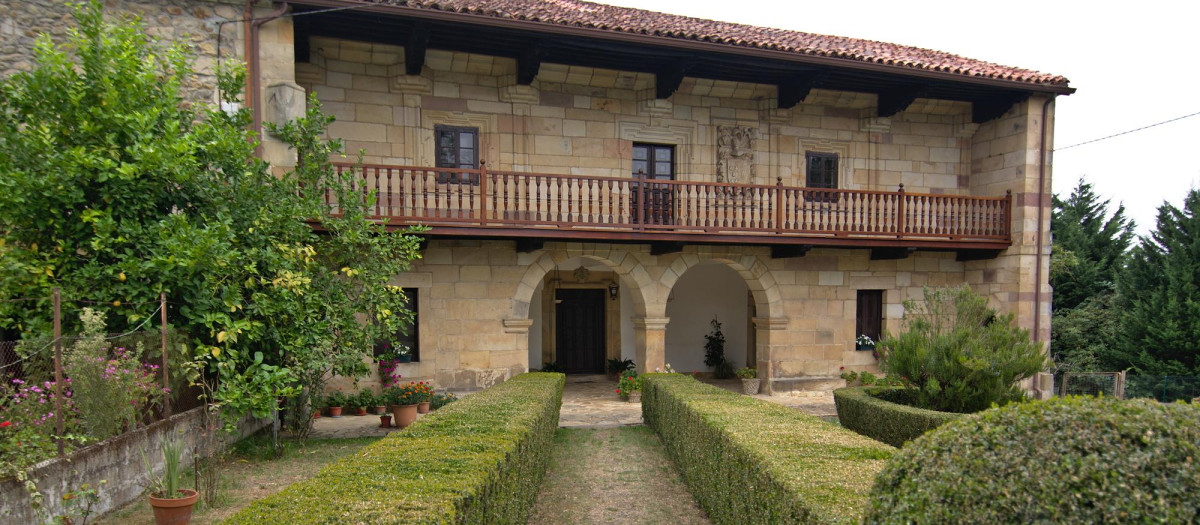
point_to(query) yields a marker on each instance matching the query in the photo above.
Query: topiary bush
(1067, 460)
(885, 414)
(958, 354)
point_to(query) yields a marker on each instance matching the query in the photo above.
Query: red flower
(618, 390)
(6, 424)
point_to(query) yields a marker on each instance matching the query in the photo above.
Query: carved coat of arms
(735, 154)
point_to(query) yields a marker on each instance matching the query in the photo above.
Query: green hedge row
(478, 460)
(876, 412)
(750, 461)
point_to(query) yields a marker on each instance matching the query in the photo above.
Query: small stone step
(806, 384)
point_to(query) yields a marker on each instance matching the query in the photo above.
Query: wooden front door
(579, 334)
(656, 204)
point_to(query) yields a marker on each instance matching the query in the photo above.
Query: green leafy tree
(956, 354)
(1097, 244)
(1160, 292)
(114, 190)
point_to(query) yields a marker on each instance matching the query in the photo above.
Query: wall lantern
(612, 290)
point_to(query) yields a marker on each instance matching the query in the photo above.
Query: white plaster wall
(705, 291)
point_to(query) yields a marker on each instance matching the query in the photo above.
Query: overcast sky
(1133, 63)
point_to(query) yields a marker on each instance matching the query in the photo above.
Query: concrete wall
(120, 460)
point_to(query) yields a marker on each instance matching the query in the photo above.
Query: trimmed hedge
(876, 412)
(1066, 460)
(751, 461)
(478, 460)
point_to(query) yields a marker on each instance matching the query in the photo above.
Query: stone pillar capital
(651, 323)
(770, 323)
(517, 326)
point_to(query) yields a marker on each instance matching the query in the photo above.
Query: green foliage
(112, 391)
(616, 366)
(479, 460)
(747, 373)
(114, 190)
(441, 400)
(1067, 460)
(630, 382)
(886, 414)
(1095, 246)
(167, 484)
(1160, 296)
(1085, 338)
(751, 461)
(714, 345)
(959, 354)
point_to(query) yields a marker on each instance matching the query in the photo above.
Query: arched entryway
(707, 291)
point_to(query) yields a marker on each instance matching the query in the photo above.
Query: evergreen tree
(1098, 242)
(1160, 294)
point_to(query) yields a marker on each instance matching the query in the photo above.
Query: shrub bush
(478, 460)
(750, 461)
(1067, 460)
(959, 354)
(883, 414)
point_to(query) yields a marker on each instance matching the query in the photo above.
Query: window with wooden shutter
(869, 319)
(821, 171)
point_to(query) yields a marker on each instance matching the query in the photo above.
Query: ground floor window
(407, 336)
(869, 319)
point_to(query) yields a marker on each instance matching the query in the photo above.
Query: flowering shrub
(28, 422)
(409, 394)
(441, 400)
(113, 393)
(630, 382)
(388, 374)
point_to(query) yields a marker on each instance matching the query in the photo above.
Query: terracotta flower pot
(360, 411)
(380, 410)
(174, 511)
(423, 407)
(404, 414)
(335, 411)
(385, 421)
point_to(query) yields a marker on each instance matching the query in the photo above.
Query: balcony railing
(633, 208)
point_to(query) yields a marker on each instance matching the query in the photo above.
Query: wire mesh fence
(1166, 389)
(1109, 384)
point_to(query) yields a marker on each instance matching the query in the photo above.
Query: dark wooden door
(655, 163)
(579, 334)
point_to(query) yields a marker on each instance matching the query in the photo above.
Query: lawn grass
(250, 472)
(613, 475)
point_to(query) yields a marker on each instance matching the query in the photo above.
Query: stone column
(651, 335)
(768, 336)
(520, 330)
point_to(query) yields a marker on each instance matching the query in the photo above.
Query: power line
(1129, 131)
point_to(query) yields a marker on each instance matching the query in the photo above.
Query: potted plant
(750, 380)
(370, 402)
(385, 421)
(171, 504)
(864, 343)
(351, 405)
(617, 366)
(630, 386)
(425, 394)
(403, 401)
(335, 402)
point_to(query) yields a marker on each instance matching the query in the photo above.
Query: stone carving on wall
(735, 154)
(285, 103)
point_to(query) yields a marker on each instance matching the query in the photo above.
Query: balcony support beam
(888, 254)
(976, 255)
(664, 248)
(789, 251)
(530, 245)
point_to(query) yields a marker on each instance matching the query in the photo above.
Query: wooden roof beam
(668, 79)
(529, 62)
(414, 49)
(795, 90)
(896, 100)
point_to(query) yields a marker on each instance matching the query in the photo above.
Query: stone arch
(630, 271)
(753, 271)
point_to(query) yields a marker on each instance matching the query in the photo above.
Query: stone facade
(484, 309)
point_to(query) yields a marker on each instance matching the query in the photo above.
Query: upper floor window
(457, 147)
(656, 161)
(821, 170)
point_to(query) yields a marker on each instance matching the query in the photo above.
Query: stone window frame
(489, 143)
(682, 137)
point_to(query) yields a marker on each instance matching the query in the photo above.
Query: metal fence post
(58, 373)
(162, 306)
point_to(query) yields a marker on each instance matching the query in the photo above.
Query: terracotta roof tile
(577, 13)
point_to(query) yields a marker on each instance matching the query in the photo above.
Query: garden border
(751, 461)
(477, 460)
(859, 409)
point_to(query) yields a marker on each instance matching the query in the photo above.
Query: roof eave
(695, 45)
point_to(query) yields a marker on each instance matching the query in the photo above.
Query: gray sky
(1134, 64)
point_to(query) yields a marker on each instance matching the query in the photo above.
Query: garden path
(613, 475)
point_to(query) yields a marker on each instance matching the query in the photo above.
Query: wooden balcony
(507, 204)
